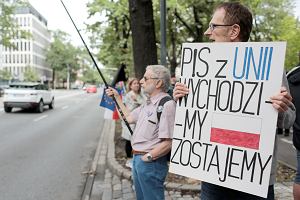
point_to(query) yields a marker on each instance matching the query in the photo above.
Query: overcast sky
(57, 18)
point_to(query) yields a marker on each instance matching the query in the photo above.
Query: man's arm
(160, 150)
(112, 92)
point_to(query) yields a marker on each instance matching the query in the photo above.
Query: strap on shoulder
(161, 106)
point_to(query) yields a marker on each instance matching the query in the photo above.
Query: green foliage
(30, 75)
(5, 75)
(62, 56)
(274, 21)
(90, 76)
(112, 36)
(187, 20)
(9, 29)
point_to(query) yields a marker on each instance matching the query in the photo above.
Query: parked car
(91, 89)
(28, 95)
(2, 88)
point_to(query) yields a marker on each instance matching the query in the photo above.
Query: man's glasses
(212, 26)
(145, 78)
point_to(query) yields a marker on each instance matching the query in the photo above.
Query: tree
(9, 28)
(90, 76)
(5, 75)
(143, 35)
(31, 75)
(62, 57)
(111, 35)
(187, 21)
(274, 21)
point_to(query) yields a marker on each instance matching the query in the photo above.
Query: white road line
(40, 118)
(287, 141)
(1, 109)
(65, 107)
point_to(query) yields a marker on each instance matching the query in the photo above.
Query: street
(287, 151)
(44, 155)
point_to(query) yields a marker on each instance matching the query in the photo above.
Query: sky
(57, 17)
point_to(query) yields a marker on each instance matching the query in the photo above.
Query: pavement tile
(117, 194)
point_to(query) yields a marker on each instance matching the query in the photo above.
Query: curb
(118, 169)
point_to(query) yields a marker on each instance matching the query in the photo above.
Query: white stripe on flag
(236, 123)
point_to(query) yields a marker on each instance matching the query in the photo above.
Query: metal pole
(68, 77)
(163, 43)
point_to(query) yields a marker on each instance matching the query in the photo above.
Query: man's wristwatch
(149, 157)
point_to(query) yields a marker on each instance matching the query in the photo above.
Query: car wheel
(7, 109)
(40, 107)
(51, 105)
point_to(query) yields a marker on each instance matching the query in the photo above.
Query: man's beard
(149, 89)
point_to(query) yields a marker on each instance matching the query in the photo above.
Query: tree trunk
(143, 35)
(53, 79)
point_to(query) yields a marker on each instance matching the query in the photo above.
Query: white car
(28, 95)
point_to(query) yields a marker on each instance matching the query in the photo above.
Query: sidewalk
(113, 181)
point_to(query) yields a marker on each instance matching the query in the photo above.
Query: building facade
(31, 52)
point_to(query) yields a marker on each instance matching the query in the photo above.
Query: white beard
(149, 89)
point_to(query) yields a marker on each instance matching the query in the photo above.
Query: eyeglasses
(212, 26)
(145, 78)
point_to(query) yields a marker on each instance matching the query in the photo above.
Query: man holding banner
(231, 22)
(151, 140)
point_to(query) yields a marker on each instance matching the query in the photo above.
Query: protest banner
(225, 127)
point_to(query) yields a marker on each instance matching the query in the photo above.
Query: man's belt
(138, 152)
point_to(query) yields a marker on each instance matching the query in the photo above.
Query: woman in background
(133, 99)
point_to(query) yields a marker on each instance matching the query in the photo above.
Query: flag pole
(99, 71)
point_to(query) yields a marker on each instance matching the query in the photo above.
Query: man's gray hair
(163, 74)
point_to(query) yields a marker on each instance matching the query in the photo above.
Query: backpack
(159, 110)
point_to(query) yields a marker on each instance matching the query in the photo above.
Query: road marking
(65, 107)
(287, 141)
(40, 118)
(1, 109)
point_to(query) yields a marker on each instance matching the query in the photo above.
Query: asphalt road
(43, 155)
(287, 151)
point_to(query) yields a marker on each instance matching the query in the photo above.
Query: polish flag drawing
(236, 130)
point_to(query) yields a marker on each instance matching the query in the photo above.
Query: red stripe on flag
(235, 138)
